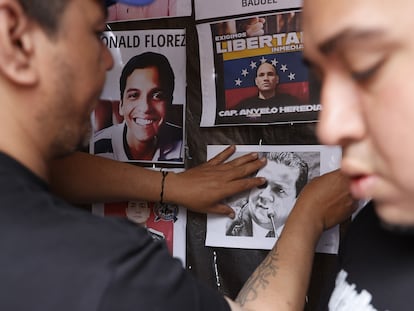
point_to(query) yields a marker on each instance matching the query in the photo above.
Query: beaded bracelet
(164, 174)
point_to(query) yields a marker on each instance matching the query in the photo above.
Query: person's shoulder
(70, 230)
(94, 226)
(172, 130)
(103, 140)
(366, 214)
(241, 225)
(101, 239)
(170, 142)
(287, 98)
(364, 223)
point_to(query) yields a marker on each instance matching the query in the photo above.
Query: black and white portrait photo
(261, 213)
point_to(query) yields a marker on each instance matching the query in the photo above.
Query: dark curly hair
(291, 159)
(47, 13)
(145, 60)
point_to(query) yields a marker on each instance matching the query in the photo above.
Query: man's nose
(341, 119)
(141, 103)
(267, 196)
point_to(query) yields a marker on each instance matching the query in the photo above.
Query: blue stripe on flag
(240, 73)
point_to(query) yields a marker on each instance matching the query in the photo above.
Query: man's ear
(121, 112)
(16, 44)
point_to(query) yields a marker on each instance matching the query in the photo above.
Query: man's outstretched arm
(281, 281)
(85, 178)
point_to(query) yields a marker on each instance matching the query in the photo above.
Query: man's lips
(265, 210)
(144, 122)
(361, 186)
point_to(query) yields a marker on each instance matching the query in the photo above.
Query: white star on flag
(247, 71)
(283, 68)
(238, 82)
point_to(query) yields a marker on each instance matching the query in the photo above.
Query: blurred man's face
(138, 212)
(143, 105)
(266, 79)
(364, 55)
(75, 64)
(276, 197)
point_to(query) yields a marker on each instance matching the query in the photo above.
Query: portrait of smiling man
(146, 92)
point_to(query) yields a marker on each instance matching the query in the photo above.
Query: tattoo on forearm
(259, 280)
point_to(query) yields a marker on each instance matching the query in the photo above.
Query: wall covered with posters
(235, 75)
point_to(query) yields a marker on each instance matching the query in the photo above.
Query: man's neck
(37, 166)
(139, 150)
(267, 95)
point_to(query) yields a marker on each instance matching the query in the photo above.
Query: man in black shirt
(364, 54)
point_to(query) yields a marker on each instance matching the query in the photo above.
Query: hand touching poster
(261, 212)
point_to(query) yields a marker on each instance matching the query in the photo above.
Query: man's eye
(133, 95)
(100, 32)
(364, 75)
(158, 95)
(279, 191)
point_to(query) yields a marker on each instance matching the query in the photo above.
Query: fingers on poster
(261, 212)
(237, 57)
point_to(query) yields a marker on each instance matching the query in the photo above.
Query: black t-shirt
(58, 257)
(377, 270)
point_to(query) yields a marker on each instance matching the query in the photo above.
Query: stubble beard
(73, 127)
(68, 140)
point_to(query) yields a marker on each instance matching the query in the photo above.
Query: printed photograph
(140, 117)
(165, 223)
(261, 213)
(258, 72)
(154, 9)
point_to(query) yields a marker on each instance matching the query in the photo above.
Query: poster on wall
(261, 212)
(155, 9)
(218, 8)
(140, 117)
(252, 71)
(166, 222)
